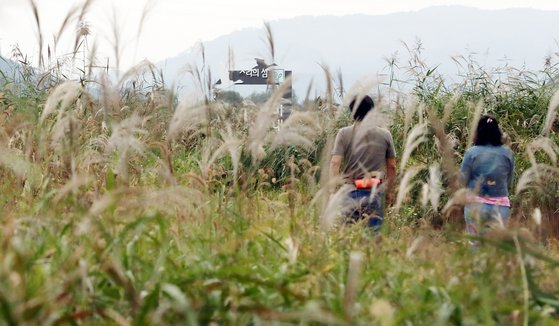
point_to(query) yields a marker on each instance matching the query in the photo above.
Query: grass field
(130, 208)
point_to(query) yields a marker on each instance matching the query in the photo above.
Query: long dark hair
(488, 132)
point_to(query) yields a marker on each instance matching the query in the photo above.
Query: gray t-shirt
(364, 149)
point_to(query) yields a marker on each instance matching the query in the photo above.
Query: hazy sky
(172, 26)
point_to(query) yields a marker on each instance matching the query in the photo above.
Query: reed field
(122, 205)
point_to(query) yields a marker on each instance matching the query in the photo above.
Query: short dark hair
(488, 132)
(365, 105)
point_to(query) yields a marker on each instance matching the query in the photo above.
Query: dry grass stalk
(22, 168)
(125, 141)
(61, 98)
(411, 109)
(353, 274)
(536, 177)
(300, 129)
(72, 186)
(67, 19)
(188, 120)
(259, 131)
(551, 115)
(459, 198)
(435, 186)
(449, 166)
(39, 32)
(83, 12)
(406, 185)
(415, 138)
(335, 205)
(474, 122)
(545, 144)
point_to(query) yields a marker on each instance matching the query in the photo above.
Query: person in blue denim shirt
(487, 171)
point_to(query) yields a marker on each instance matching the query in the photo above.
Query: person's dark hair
(363, 108)
(488, 132)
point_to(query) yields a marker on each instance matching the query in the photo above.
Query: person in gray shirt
(367, 154)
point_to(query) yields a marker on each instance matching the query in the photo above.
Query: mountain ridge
(359, 45)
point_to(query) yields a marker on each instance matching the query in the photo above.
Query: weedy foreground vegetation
(121, 205)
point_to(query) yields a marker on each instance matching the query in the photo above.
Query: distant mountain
(7, 69)
(359, 45)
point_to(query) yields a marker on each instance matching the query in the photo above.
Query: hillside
(7, 68)
(359, 45)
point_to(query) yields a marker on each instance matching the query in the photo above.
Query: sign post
(263, 74)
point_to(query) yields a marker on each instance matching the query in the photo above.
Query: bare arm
(335, 165)
(390, 177)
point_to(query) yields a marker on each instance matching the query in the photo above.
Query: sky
(159, 29)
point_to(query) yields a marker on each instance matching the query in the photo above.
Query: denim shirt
(487, 170)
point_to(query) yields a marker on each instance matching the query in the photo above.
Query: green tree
(231, 97)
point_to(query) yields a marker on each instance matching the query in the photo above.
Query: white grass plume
(551, 115)
(354, 269)
(137, 70)
(406, 184)
(21, 167)
(474, 122)
(460, 197)
(300, 129)
(333, 208)
(537, 216)
(424, 194)
(124, 141)
(125, 135)
(259, 131)
(188, 119)
(415, 138)
(535, 177)
(61, 98)
(292, 249)
(411, 109)
(449, 107)
(233, 145)
(435, 185)
(545, 144)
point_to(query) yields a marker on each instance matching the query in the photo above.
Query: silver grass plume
(61, 98)
(460, 197)
(551, 115)
(406, 184)
(415, 138)
(474, 122)
(21, 167)
(536, 176)
(435, 185)
(354, 269)
(259, 131)
(410, 110)
(188, 119)
(125, 141)
(545, 144)
(333, 208)
(300, 129)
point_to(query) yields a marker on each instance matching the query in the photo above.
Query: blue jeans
(363, 206)
(479, 216)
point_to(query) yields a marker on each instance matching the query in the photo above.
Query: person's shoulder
(507, 150)
(473, 150)
(384, 131)
(346, 128)
(344, 132)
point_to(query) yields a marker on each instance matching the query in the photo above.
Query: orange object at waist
(366, 183)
